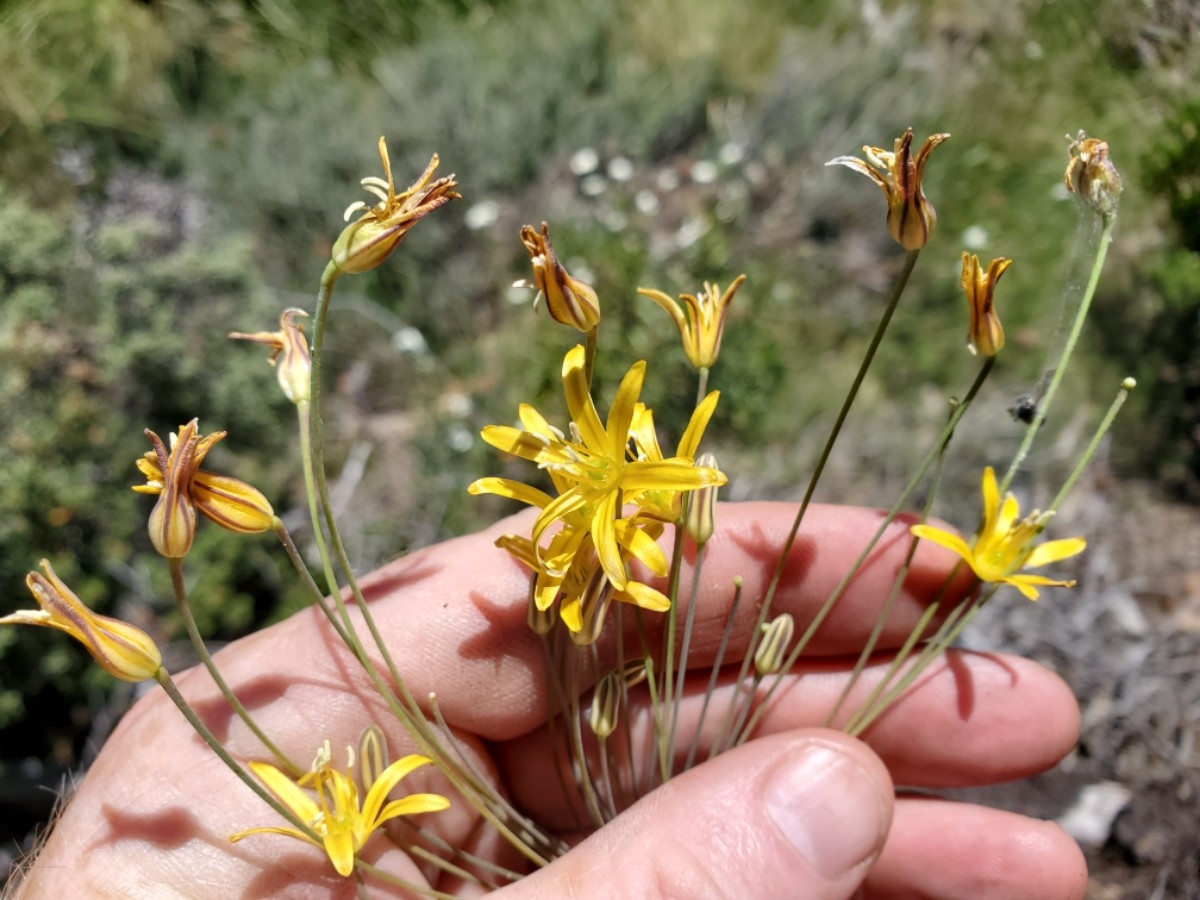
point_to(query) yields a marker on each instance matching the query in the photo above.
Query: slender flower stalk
(189, 622)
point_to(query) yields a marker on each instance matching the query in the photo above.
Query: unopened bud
(606, 702)
(702, 506)
(772, 650)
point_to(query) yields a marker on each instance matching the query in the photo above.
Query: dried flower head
(121, 649)
(569, 300)
(289, 354)
(704, 324)
(985, 334)
(910, 216)
(371, 238)
(1092, 175)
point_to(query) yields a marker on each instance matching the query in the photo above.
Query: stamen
(352, 209)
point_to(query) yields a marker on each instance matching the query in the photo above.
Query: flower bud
(606, 702)
(701, 514)
(772, 650)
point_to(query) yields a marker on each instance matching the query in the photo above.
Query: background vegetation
(175, 169)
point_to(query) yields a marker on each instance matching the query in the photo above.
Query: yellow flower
(1092, 175)
(985, 334)
(592, 469)
(183, 490)
(371, 238)
(569, 300)
(569, 571)
(123, 650)
(289, 354)
(1004, 545)
(910, 216)
(704, 324)
(335, 816)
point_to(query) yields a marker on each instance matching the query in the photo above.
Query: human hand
(799, 811)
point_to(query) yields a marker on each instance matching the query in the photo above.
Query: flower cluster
(598, 469)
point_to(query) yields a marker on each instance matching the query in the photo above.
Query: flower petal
(288, 792)
(696, 425)
(620, 414)
(514, 490)
(579, 401)
(1053, 551)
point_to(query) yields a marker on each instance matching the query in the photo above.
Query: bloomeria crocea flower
(123, 650)
(985, 335)
(592, 468)
(371, 238)
(342, 827)
(183, 490)
(569, 300)
(1004, 546)
(704, 324)
(910, 216)
(289, 354)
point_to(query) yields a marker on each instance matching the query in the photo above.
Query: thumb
(801, 814)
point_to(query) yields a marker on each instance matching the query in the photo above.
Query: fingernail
(828, 806)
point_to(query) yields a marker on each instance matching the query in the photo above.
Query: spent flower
(1004, 546)
(289, 354)
(369, 240)
(911, 217)
(985, 334)
(340, 823)
(704, 323)
(569, 300)
(121, 649)
(183, 489)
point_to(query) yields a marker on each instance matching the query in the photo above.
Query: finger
(460, 608)
(939, 850)
(963, 722)
(797, 815)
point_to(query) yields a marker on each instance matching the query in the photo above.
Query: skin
(152, 817)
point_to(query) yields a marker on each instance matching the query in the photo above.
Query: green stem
(930, 456)
(910, 261)
(164, 679)
(886, 611)
(1106, 423)
(189, 621)
(1060, 369)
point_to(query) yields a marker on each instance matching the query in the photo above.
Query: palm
(157, 807)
